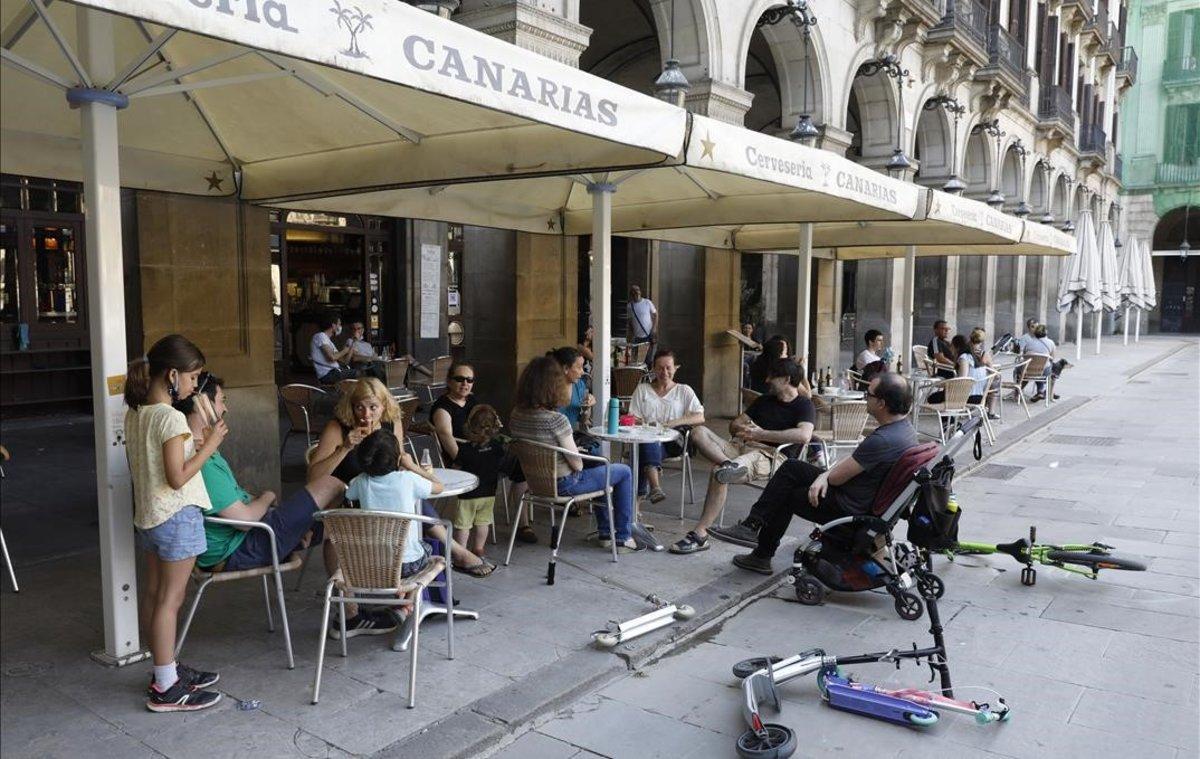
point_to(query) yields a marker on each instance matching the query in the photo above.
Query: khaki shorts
(474, 512)
(757, 460)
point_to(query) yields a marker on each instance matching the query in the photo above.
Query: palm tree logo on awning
(355, 21)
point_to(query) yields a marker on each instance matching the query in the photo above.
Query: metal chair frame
(953, 405)
(12, 575)
(387, 596)
(205, 578)
(528, 453)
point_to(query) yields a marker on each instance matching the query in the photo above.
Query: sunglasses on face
(467, 380)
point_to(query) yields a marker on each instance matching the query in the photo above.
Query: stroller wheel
(777, 742)
(808, 591)
(908, 606)
(931, 585)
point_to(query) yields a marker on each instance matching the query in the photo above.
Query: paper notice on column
(431, 290)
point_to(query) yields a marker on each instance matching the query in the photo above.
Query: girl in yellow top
(169, 501)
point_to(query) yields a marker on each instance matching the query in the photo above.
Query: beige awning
(728, 175)
(297, 98)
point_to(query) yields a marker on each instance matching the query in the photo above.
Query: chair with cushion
(205, 577)
(539, 463)
(300, 403)
(432, 376)
(370, 548)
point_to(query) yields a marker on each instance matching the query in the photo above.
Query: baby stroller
(856, 553)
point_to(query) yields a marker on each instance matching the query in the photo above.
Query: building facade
(1160, 136)
(1014, 102)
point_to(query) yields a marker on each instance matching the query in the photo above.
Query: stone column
(722, 293)
(950, 309)
(989, 297)
(719, 100)
(834, 139)
(543, 28)
(1018, 325)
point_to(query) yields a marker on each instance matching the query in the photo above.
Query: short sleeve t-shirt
(640, 314)
(770, 413)
(315, 353)
(147, 428)
(400, 492)
(679, 401)
(864, 358)
(875, 455)
(574, 410)
(224, 491)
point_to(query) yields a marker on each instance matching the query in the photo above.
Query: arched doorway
(871, 118)
(1179, 276)
(1011, 179)
(1039, 193)
(977, 166)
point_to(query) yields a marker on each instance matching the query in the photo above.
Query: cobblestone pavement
(1091, 668)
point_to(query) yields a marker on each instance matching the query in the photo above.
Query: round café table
(634, 436)
(455, 482)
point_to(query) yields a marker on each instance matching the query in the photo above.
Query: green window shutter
(1175, 36)
(1190, 153)
(1171, 136)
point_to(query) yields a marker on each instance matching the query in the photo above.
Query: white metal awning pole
(803, 293)
(910, 307)
(1078, 332)
(601, 296)
(1137, 330)
(106, 329)
(1126, 320)
(1099, 327)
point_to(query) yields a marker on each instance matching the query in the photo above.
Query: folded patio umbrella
(1079, 289)
(1110, 276)
(1130, 281)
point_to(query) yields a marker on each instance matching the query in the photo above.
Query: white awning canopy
(728, 175)
(947, 225)
(298, 98)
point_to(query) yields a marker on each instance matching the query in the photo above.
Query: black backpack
(931, 523)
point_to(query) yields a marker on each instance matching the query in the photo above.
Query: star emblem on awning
(708, 146)
(550, 224)
(214, 181)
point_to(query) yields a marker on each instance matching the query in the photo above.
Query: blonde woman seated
(367, 408)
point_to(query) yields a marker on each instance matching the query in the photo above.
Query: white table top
(843, 395)
(638, 434)
(455, 482)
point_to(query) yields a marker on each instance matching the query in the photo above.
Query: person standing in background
(642, 324)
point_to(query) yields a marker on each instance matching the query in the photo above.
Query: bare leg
(709, 444)
(458, 554)
(461, 536)
(714, 501)
(518, 492)
(479, 535)
(149, 594)
(653, 477)
(172, 586)
(328, 492)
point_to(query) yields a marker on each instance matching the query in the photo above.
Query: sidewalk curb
(470, 730)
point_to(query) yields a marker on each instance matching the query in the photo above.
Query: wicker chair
(847, 419)
(203, 578)
(1015, 385)
(953, 405)
(300, 402)
(625, 380)
(408, 410)
(1034, 372)
(992, 387)
(920, 358)
(432, 376)
(346, 386)
(539, 463)
(396, 372)
(370, 547)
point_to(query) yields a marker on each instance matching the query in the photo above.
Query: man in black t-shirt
(940, 351)
(783, 415)
(803, 490)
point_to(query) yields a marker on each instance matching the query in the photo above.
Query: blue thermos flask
(614, 412)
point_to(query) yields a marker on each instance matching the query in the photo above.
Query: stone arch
(697, 35)
(801, 90)
(933, 147)
(627, 45)
(1060, 199)
(978, 157)
(1040, 190)
(1078, 201)
(872, 114)
(1011, 180)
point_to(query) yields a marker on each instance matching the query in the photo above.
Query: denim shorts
(290, 521)
(180, 537)
(409, 568)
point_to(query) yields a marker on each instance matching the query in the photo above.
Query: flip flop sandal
(480, 570)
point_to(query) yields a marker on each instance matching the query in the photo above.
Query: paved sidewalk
(1104, 668)
(529, 654)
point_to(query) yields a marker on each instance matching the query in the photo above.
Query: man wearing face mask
(326, 359)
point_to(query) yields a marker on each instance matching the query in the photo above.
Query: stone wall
(547, 299)
(205, 273)
(721, 374)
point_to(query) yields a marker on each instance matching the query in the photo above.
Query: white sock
(165, 676)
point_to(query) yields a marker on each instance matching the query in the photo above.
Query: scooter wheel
(684, 611)
(908, 606)
(779, 742)
(808, 591)
(747, 667)
(931, 585)
(605, 640)
(922, 720)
